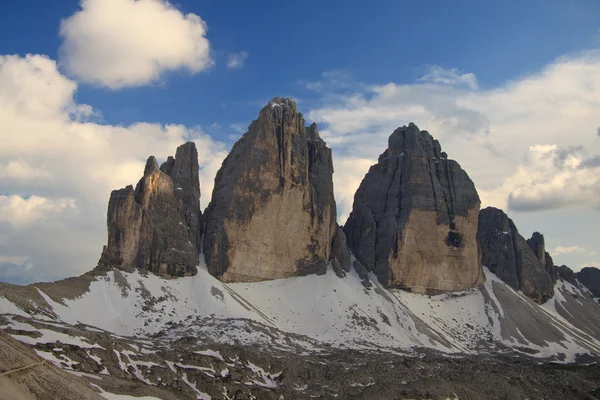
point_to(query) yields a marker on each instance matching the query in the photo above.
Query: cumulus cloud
(236, 60)
(511, 139)
(566, 250)
(58, 168)
(454, 77)
(20, 212)
(552, 177)
(120, 43)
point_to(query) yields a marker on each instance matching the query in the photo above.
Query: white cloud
(511, 139)
(566, 250)
(21, 170)
(551, 177)
(454, 77)
(236, 60)
(59, 169)
(120, 43)
(22, 212)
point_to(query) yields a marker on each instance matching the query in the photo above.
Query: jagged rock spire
(507, 254)
(156, 227)
(272, 212)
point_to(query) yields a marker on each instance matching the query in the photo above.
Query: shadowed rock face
(567, 274)
(272, 212)
(156, 227)
(590, 278)
(414, 218)
(507, 254)
(538, 245)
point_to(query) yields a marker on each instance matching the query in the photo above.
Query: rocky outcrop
(538, 245)
(156, 227)
(272, 213)
(567, 274)
(414, 218)
(590, 278)
(339, 249)
(508, 255)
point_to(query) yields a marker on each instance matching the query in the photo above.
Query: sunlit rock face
(272, 213)
(414, 218)
(156, 226)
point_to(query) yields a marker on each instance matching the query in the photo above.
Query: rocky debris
(567, 274)
(538, 245)
(507, 254)
(156, 227)
(26, 376)
(193, 367)
(414, 218)
(339, 249)
(590, 278)
(272, 213)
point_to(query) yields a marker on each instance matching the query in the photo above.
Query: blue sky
(291, 42)
(509, 88)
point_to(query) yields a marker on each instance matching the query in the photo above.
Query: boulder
(414, 218)
(156, 227)
(337, 268)
(508, 255)
(272, 213)
(339, 249)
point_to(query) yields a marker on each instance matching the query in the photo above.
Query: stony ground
(181, 366)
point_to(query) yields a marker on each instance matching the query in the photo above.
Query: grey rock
(567, 274)
(538, 245)
(337, 268)
(156, 227)
(590, 278)
(414, 218)
(508, 255)
(272, 213)
(339, 249)
(360, 269)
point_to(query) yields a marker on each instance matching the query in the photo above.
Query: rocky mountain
(272, 213)
(414, 218)
(508, 255)
(590, 278)
(156, 227)
(442, 300)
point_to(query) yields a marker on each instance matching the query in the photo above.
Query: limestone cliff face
(414, 218)
(272, 213)
(156, 227)
(507, 254)
(538, 245)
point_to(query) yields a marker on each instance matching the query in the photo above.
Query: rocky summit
(538, 245)
(512, 258)
(272, 213)
(414, 218)
(156, 227)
